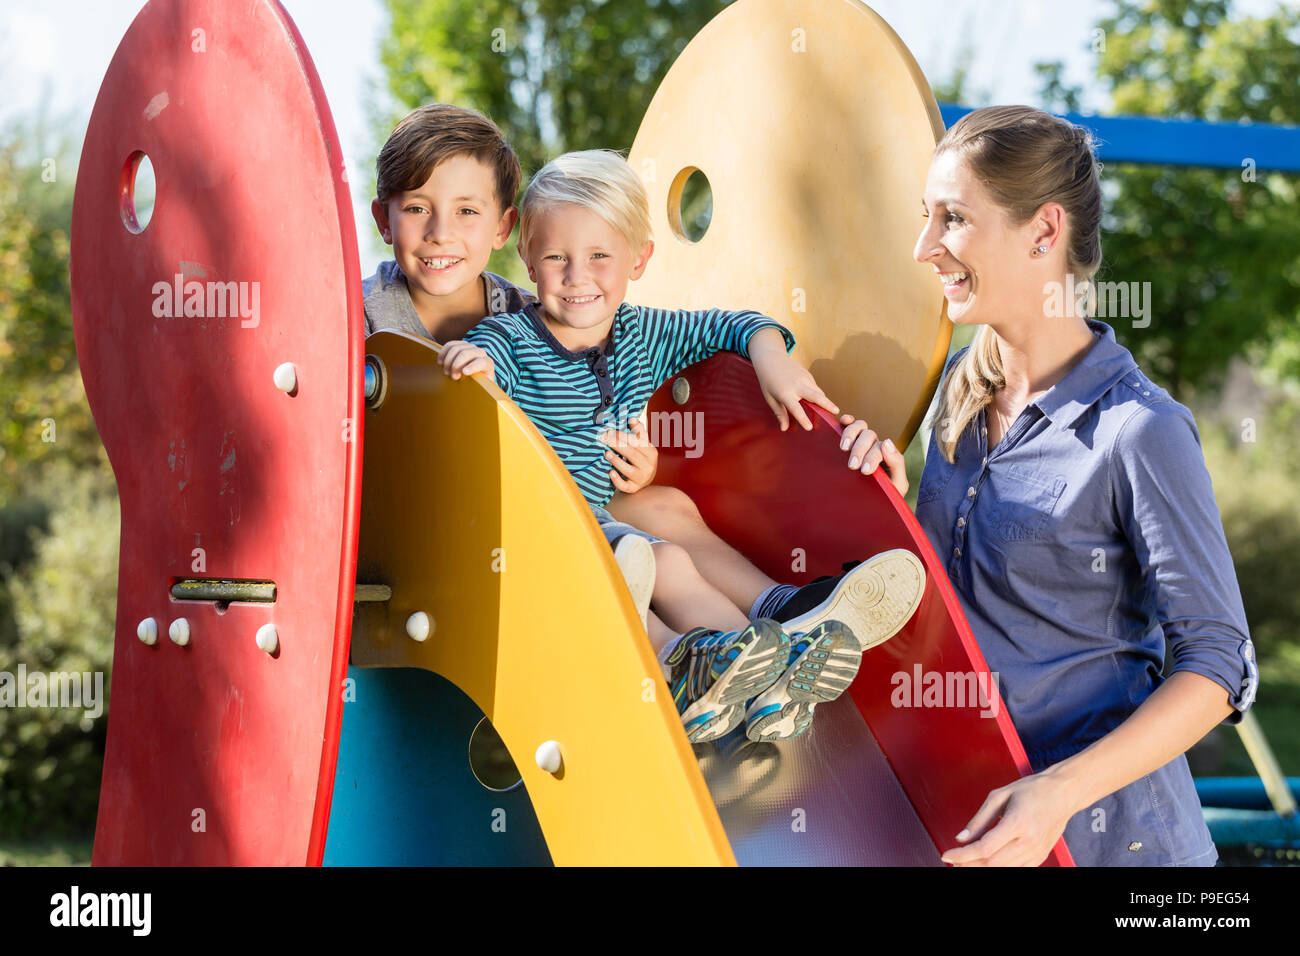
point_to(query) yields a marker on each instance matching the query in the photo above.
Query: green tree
(1220, 248)
(555, 75)
(45, 410)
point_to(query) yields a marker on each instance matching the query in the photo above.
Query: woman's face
(980, 256)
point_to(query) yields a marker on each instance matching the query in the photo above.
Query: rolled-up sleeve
(1165, 501)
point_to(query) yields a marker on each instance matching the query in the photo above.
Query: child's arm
(784, 381)
(678, 339)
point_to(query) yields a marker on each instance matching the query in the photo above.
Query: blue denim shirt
(1076, 546)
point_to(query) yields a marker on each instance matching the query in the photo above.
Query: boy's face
(581, 265)
(443, 232)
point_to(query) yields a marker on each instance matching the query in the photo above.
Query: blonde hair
(1024, 158)
(596, 179)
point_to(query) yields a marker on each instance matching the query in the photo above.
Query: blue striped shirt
(574, 396)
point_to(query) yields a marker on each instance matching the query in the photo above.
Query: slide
(349, 586)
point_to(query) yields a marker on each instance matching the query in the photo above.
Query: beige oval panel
(815, 128)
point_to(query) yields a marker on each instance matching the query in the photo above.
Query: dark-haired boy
(446, 185)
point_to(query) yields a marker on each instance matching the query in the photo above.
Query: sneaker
(636, 559)
(875, 599)
(712, 675)
(822, 664)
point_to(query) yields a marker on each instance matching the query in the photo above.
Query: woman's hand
(640, 459)
(866, 451)
(1030, 813)
(784, 381)
(460, 358)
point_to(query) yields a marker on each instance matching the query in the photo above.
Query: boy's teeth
(440, 263)
(950, 277)
(578, 300)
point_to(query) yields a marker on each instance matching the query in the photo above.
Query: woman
(1068, 499)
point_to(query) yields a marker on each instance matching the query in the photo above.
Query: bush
(64, 603)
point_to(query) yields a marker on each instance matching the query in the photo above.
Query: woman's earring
(1039, 251)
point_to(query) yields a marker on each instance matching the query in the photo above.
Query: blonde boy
(581, 358)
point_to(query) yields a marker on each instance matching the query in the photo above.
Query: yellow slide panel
(471, 519)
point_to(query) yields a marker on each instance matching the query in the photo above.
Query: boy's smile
(582, 266)
(442, 234)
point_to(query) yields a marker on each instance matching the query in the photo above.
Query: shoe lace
(700, 666)
(845, 568)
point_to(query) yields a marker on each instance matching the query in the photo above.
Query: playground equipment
(252, 524)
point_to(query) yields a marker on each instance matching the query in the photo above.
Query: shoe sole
(822, 673)
(763, 651)
(874, 600)
(636, 559)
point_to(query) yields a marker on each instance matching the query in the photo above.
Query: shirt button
(1146, 393)
(1134, 846)
(609, 400)
(970, 492)
(985, 461)
(600, 372)
(956, 552)
(961, 522)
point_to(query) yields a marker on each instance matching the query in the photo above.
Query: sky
(54, 53)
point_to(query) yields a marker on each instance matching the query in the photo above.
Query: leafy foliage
(1239, 292)
(554, 75)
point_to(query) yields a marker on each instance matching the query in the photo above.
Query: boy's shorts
(615, 529)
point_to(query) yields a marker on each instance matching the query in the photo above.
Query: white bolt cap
(147, 631)
(267, 638)
(179, 631)
(286, 377)
(419, 626)
(549, 757)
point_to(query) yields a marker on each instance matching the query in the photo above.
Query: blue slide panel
(404, 794)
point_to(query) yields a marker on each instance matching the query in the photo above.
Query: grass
(46, 851)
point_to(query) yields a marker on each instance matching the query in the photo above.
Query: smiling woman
(1069, 500)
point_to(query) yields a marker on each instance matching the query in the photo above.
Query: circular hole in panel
(489, 759)
(690, 205)
(136, 192)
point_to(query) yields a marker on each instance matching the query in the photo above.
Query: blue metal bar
(1170, 142)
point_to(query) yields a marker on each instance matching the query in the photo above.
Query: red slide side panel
(218, 752)
(769, 493)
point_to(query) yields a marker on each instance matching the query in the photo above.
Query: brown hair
(1024, 158)
(431, 134)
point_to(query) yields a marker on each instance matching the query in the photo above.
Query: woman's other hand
(1030, 815)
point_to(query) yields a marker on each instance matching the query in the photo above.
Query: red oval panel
(776, 496)
(218, 751)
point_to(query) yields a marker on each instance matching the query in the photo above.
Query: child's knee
(673, 562)
(670, 501)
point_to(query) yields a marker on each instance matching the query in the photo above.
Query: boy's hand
(784, 381)
(461, 358)
(640, 459)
